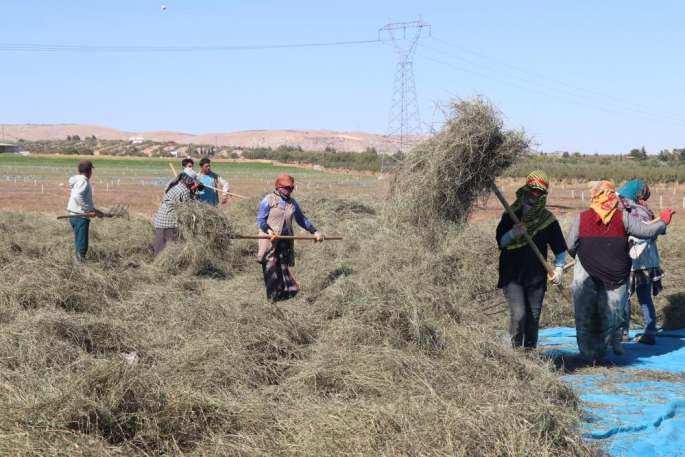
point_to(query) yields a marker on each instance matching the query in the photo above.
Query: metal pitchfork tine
(117, 210)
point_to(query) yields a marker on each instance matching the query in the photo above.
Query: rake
(117, 210)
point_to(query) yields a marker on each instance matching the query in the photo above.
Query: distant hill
(311, 140)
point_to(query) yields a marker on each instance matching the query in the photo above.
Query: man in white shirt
(81, 203)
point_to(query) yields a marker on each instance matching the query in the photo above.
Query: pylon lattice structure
(404, 109)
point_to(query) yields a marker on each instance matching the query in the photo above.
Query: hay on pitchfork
(444, 177)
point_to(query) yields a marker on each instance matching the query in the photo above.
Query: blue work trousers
(80, 226)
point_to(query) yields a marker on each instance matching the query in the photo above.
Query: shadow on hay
(674, 312)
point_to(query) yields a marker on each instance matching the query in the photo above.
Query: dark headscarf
(633, 195)
(181, 178)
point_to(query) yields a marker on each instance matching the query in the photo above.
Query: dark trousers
(525, 306)
(80, 226)
(162, 237)
(644, 295)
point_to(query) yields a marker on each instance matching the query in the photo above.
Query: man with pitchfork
(81, 202)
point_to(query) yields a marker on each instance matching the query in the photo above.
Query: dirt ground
(50, 195)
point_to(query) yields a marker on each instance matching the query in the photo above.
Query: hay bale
(444, 177)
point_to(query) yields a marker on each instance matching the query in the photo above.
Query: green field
(133, 167)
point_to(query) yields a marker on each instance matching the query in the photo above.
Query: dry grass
(206, 251)
(445, 176)
(385, 351)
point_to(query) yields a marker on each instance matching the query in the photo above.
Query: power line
(555, 80)
(152, 49)
(549, 95)
(670, 117)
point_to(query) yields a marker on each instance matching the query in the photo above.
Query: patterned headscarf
(604, 200)
(538, 180)
(538, 217)
(633, 195)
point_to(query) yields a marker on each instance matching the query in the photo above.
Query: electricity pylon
(404, 108)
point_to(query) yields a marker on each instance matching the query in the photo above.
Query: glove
(272, 235)
(666, 216)
(318, 237)
(518, 230)
(556, 277)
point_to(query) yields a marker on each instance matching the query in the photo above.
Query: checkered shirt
(165, 213)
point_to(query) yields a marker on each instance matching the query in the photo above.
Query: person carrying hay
(81, 202)
(646, 272)
(522, 277)
(179, 190)
(599, 242)
(275, 218)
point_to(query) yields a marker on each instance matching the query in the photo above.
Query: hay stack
(444, 177)
(207, 232)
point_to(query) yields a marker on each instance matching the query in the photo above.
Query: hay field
(395, 346)
(383, 353)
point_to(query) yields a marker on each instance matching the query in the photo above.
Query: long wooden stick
(535, 249)
(284, 237)
(208, 187)
(74, 215)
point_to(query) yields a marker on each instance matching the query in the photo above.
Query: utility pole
(404, 109)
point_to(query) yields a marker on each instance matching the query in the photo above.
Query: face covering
(285, 192)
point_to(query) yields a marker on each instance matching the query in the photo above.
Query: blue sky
(588, 76)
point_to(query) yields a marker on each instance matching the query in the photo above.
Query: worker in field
(187, 163)
(81, 203)
(646, 272)
(599, 242)
(275, 218)
(211, 179)
(179, 190)
(522, 276)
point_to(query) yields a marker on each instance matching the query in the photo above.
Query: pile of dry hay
(207, 233)
(444, 177)
(383, 352)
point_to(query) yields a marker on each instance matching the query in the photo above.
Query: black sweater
(521, 265)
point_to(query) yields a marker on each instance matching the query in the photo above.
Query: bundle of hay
(444, 177)
(207, 233)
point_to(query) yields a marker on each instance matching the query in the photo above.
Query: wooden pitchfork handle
(532, 245)
(284, 237)
(208, 187)
(84, 215)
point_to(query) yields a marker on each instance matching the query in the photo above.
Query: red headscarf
(285, 180)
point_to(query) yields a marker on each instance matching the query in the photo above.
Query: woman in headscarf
(275, 218)
(598, 240)
(522, 276)
(181, 189)
(646, 272)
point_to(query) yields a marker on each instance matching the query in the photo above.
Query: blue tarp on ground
(629, 411)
